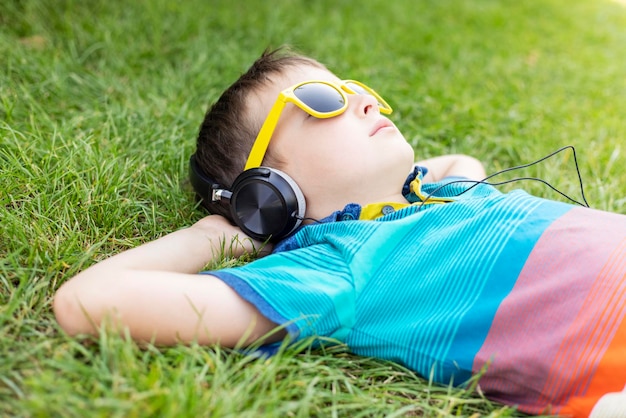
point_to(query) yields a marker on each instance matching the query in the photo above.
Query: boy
(434, 274)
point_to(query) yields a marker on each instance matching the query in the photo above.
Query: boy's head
(231, 124)
(358, 156)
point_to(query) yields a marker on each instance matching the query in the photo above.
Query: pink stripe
(536, 341)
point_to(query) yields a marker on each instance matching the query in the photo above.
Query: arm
(452, 165)
(154, 291)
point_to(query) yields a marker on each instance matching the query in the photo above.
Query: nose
(363, 104)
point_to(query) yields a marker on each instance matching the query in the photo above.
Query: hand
(233, 240)
(452, 165)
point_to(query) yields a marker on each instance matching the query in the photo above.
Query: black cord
(506, 170)
(300, 218)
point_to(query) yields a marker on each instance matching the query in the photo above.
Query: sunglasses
(320, 99)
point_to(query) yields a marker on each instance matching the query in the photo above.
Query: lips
(381, 124)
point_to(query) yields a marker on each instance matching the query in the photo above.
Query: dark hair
(228, 129)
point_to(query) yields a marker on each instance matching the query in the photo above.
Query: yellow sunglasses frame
(262, 141)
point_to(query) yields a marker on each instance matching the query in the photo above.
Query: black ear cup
(202, 184)
(266, 203)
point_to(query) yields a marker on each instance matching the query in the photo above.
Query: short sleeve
(309, 290)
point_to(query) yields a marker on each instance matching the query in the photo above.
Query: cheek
(337, 157)
(315, 167)
(326, 149)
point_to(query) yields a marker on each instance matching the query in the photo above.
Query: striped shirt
(532, 291)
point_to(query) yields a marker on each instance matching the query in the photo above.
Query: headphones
(264, 202)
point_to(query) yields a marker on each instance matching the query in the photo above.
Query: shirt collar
(352, 211)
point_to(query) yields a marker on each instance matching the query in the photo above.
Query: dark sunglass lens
(319, 97)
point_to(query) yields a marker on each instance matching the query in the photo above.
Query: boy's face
(356, 157)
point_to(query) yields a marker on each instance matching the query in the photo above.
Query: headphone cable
(506, 170)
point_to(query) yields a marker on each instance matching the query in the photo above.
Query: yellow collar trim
(376, 210)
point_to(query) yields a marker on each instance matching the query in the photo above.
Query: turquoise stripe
(436, 325)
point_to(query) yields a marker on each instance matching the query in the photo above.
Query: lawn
(100, 103)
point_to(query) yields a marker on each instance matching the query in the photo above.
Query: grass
(100, 102)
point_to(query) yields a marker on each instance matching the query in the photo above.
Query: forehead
(298, 74)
